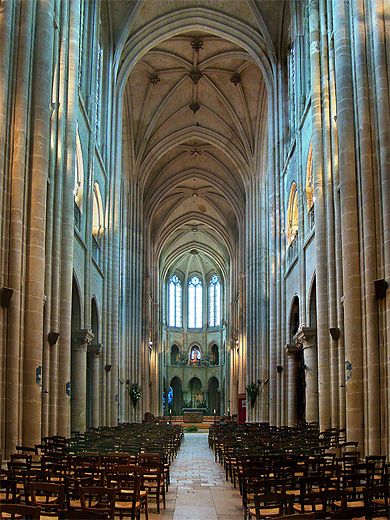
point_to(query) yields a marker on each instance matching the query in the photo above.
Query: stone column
(320, 217)
(16, 256)
(67, 221)
(81, 339)
(95, 353)
(307, 337)
(349, 224)
(39, 146)
(292, 371)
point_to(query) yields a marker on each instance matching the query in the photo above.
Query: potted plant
(135, 392)
(253, 391)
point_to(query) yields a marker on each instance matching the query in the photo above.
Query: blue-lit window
(195, 303)
(214, 302)
(174, 302)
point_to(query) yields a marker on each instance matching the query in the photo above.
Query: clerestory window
(214, 302)
(175, 295)
(195, 303)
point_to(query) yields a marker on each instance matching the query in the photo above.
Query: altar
(193, 415)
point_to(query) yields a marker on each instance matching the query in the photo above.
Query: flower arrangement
(252, 391)
(135, 392)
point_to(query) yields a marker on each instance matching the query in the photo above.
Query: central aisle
(198, 489)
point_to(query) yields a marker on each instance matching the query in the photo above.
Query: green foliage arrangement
(253, 391)
(135, 392)
(192, 428)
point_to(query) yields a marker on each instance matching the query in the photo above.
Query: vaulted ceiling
(195, 129)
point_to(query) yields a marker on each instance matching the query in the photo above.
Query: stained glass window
(214, 302)
(174, 302)
(195, 303)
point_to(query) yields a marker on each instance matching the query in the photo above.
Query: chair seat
(75, 504)
(272, 511)
(350, 504)
(127, 504)
(42, 500)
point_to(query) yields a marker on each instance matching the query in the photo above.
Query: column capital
(96, 349)
(82, 337)
(306, 336)
(292, 349)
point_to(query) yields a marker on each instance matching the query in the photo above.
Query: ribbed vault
(195, 111)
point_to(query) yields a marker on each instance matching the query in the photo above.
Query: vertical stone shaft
(320, 213)
(329, 209)
(380, 23)
(6, 14)
(81, 340)
(35, 273)
(349, 223)
(16, 260)
(368, 224)
(68, 221)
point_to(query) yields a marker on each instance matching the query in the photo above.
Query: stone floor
(198, 489)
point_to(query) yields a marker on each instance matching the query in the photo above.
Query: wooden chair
(352, 513)
(296, 516)
(128, 501)
(269, 505)
(20, 512)
(309, 486)
(72, 514)
(323, 502)
(32, 475)
(154, 482)
(97, 499)
(135, 469)
(377, 501)
(379, 462)
(72, 490)
(8, 492)
(48, 496)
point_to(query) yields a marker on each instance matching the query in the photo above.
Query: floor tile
(198, 489)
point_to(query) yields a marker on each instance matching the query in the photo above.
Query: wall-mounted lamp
(380, 288)
(279, 369)
(5, 296)
(335, 333)
(52, 337)
(150, 344)
(107, 368)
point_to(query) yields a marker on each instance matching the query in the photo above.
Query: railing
(95, 250)
(311, 218)
(292, 250)
(77, 217)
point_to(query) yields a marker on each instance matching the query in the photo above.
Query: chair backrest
(47, 495)
(273, 500)
(22, 511)
(7, 490)
(98, 499)
(126, 484)
(149, 457)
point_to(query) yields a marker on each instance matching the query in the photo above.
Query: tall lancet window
(214, 302)
(174, 302)
(195, 303)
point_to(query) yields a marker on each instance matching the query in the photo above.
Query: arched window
(310, 180)
(174, 355)
(214, 355)
(97, 212)
(195, 303)
(78, 174)
(214, 302)
(292, 216)
(174, 302)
